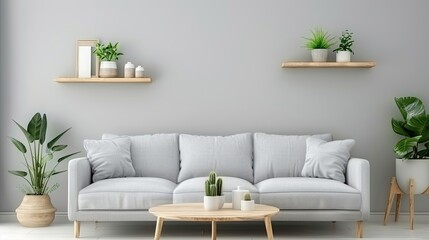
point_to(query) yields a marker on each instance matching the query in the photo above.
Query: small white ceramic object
(237, 196)
(343, 56)
(221, 201)
(129, 70)
(247, 205)
(319, 55)
(211, 203)
(108, 69)
(139, 72)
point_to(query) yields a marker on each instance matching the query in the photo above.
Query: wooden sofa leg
(76, 229)
(360, 229)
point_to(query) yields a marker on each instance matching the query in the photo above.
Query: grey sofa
(172, 168)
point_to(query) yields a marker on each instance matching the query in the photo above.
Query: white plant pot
(247, 205)
(212, 203)
(343, 56)
(221, 201)
(108, 69)
(319, 55)
(418, 169)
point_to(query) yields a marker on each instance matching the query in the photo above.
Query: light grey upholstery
(280, 155)
(192, 190)
(154, 155)
(290, 194)
(228, 156)
(134, 193)
(109, 158)
(300, 193)
(327, 159)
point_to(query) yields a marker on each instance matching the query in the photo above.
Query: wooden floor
(63, 229)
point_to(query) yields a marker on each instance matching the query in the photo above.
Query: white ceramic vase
(343, 56)
(418, 169)
(35, 211)
(213, 203)
(319, 55)
(108, 69)
(247, 205)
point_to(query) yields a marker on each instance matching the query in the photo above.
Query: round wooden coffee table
(196, 212)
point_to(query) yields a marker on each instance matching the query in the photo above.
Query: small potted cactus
(247, 204)
(214, 199)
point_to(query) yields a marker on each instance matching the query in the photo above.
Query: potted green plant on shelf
(108, 54)
(213, 199)
(36, 209)
(344, 50)
(413, 149)
(319, 43)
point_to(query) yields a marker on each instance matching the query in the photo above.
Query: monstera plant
(38, 158)
(414, 127)
(412, 164)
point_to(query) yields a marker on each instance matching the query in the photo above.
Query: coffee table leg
(213, 230)
(158, 229)
(269, 228)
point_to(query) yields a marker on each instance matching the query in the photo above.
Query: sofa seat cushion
(126, 194)
(192, 190)
(300, 193)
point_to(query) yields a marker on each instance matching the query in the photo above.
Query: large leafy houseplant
(38, 155)
(414, 127)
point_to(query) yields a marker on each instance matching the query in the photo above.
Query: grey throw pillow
(228, 156)
(109, 158)
(327, 159)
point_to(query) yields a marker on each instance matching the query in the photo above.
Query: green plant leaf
(67, 156)
(398, 127)
(418, 123)
(26, 133)
(34, 126)
(18, 145)
(47, 158)
(58, 148)
(43, 129)
(410, 107)
(18, 173)
(53, 141)
(55, 173)
(404, 146)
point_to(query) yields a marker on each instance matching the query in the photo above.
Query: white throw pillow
(109, 158)
(228, 156)
(327, 159)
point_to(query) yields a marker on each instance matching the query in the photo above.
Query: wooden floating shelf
(328, 64)
(102, 80)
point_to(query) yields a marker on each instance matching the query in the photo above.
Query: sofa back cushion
(228, 156)
(154, 155)
(280, 155)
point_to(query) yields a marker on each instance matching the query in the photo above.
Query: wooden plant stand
(396, 191)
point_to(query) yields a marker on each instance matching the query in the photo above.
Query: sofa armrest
(79, 176)
(357, 176)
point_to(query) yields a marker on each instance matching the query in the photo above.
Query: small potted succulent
(108, 54)
(247, 204)
(319, 43)
(214, 199)
(344, 49)
(413, 149)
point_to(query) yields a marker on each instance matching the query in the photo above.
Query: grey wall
(215, 67)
